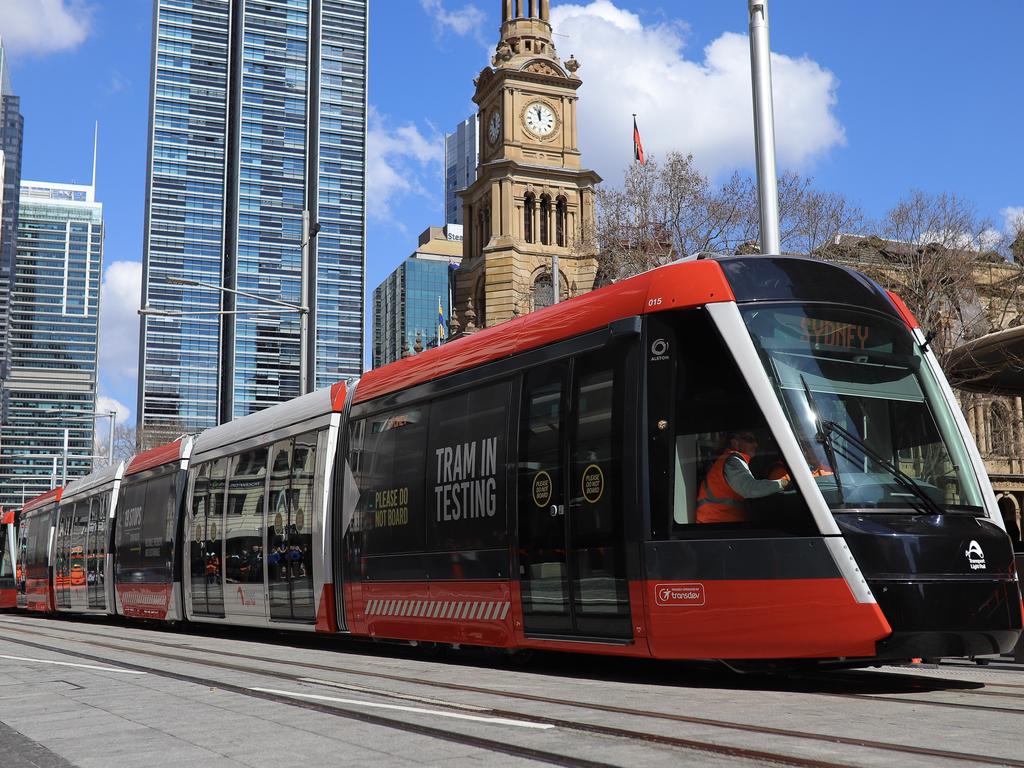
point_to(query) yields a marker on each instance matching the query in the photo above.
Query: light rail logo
(975, 556)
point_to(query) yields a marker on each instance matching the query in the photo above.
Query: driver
(730, 481)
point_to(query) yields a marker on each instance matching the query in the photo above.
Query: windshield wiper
(824, 437)
(904, 480)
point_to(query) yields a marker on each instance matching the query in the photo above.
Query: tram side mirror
(625, 328)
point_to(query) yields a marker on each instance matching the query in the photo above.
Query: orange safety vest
(717, 502)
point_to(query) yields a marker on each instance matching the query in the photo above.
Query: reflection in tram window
(206, 530)
(244, 519)
(289, 529)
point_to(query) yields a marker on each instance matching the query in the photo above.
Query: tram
(538, 484)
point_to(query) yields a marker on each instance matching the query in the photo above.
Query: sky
(872, 99)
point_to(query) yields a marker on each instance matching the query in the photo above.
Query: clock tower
(531, 203)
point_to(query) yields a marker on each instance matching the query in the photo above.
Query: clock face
(494, 127)
(539, 119)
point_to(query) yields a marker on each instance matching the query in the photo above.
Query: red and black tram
(536, 485)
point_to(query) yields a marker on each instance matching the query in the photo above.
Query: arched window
(545, 220)
(560, 221)
(1000, 430)
(487, 225)
(542, 295)
(528, 208)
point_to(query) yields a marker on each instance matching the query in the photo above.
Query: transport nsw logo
(679, 594)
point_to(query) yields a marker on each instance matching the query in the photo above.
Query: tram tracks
(128, 645)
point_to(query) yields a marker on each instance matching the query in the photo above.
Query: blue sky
(873, 99)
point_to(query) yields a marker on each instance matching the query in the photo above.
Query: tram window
(6, 566)
(159, 522)
(243, 523)
(697, 398)
(392, 465)
(300, 536)
(129, 531)
(466, 455)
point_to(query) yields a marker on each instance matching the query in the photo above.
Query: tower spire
(524, 35)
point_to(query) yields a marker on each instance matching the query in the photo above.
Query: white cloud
(119, 321)
(685, 103)
(399, 161)
(44, 26)
(101, 437)
(1013, 218)
(467, 20)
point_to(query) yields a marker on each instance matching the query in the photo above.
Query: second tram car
(540, 484)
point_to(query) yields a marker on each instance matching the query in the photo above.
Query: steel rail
(972, 758)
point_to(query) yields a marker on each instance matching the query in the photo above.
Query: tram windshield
(872, 424)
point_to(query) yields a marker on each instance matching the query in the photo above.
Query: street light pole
(307, 292)
(764, 126)
(64, 472)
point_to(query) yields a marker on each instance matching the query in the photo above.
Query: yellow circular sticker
(592, 484)
(542, 489)
(300, 519)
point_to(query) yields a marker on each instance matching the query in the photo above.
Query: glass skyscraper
(415, 299)
(461, 156)
(258, 111)
(12, 126)
(49, 391)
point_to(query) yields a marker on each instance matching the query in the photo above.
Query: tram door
(571, 546)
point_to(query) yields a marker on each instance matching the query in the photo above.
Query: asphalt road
(103, 694)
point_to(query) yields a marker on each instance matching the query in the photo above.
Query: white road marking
(69, 664)
(393, 694)
(416, 710)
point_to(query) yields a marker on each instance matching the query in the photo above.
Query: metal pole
(110, 449)
(53, 473)
(554, 278)
(64, 472)
(764, 126)
(304, 373)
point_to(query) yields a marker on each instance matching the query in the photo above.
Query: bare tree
(124, 442)
(667, 209)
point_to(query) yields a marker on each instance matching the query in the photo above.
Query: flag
(441, 332)
(638, 146)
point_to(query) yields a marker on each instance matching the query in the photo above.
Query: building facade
(461, 157)
(531, 201)
(412, 306)
(257, 113)
(49, 392)
(12, 128)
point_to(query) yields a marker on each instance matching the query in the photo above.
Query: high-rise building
(412, 306)
(12, 126)
(257, 113)
(49, 391)
(461, 155)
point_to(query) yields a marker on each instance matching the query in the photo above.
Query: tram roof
(277, 417)
(52, 495)
(162, 454)
(674, 286)
(105, 476)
